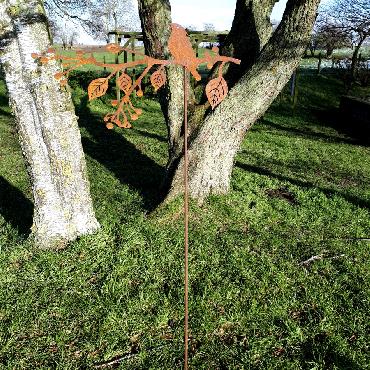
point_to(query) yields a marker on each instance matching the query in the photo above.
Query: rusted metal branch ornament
(183, 55)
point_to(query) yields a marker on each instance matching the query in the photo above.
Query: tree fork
(213, 149)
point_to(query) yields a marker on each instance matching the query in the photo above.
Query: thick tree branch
(250, 31)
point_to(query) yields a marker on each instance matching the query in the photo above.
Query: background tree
(352, 19)
(113, 14)
(78, 11)
(328, 37)
(268, 61)
(96, 17)
(209, 27)
(191, 27)
(64, 34)
(47, 127)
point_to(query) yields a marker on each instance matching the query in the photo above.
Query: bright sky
(197, 12)
(218, 12)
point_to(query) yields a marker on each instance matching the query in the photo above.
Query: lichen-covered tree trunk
(47, 127)
(213, 148)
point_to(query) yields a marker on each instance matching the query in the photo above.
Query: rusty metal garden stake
(182, 54)
(186, 218)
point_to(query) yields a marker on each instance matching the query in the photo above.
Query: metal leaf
(216, 91)
(97, 88)
(124, 82)
(113, 48)
(158, 79)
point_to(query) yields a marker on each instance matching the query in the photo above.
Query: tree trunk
(213, 149)
(250, 31)
(319, 64)
(216, 136)
(354, 61)
(329, 51)
(155, 16)
(47, 127)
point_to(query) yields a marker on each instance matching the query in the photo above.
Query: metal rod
(118, 90)
(133, 58)
(186, 215)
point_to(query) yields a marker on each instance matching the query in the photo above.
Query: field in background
(300, 188)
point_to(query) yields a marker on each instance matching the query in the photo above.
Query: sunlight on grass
(300, 187)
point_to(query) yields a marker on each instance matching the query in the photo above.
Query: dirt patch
(282, 193)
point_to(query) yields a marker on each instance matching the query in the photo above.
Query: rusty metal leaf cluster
(182, 54)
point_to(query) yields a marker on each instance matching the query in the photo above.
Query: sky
(197, 12)
(218, 12)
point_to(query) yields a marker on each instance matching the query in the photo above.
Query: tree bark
(155, 16)
(47, 127)
(250, 31)
(354, 61)
(213, 148)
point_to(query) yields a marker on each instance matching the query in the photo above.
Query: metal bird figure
(182, 50)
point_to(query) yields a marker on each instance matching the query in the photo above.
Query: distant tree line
(342, 23)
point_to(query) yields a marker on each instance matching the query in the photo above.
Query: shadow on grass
(327, 191)
(318, 100)
(360, 134)
(309, 134)
(121, 157)
(4, 102)
(150, 135)
(320, 347)
(4, 113)
(15, 207)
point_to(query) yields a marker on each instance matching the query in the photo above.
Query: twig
(319, 257)
(357, 239)
(118, 360)
(114, 362)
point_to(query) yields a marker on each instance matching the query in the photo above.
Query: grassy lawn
(102, 57)
(300, 188)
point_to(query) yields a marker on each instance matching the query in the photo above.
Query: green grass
(101, 57)
(300, 187)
